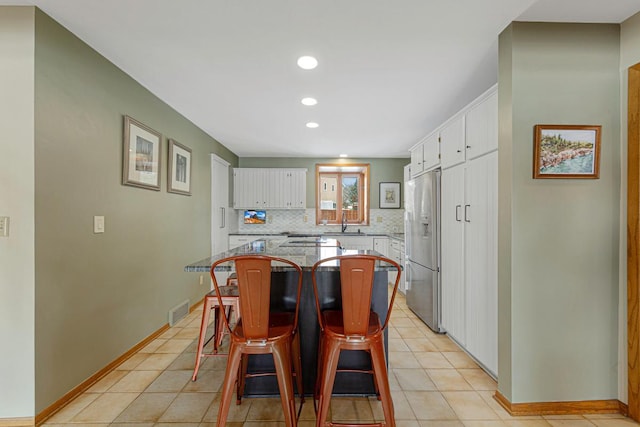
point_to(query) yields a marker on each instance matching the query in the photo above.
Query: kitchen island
(306, 251)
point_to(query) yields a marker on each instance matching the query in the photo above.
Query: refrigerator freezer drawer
(423, 294)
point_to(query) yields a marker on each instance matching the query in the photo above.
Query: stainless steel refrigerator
(422, 247)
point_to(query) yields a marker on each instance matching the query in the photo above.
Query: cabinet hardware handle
(468, 146)
(458, 212)
(466, 217)
(458, 151)
(223, 218)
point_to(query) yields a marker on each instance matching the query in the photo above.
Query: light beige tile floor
(434, 384)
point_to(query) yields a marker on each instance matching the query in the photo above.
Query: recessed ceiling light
(309, 101)
(307, 62)
(312, 125)
(344, 155)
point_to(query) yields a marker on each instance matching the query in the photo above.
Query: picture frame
(141, 155)
(389, 195)
(179, 168)
(566, 151)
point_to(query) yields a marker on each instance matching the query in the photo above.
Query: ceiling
(389, 71)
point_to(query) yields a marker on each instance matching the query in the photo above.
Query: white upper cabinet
(431, 152)
(470, 134)
(482, 127)
(452, 143)
(426, 155)
(273, 188)
(417, 157)
(297, 189)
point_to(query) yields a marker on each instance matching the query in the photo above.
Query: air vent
(178, 312)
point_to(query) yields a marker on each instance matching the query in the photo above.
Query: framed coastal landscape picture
(566, 151)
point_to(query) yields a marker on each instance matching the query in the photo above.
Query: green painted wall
(382, 170)
(559, 239)
(98, 295)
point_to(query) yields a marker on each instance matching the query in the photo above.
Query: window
(342, 192)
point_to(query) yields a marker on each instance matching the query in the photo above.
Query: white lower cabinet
(355, 242)
(469, 257)
(396, 253)
(381, 245)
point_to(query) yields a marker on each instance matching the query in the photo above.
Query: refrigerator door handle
(408, 277)
(466, 217)
(458, 213)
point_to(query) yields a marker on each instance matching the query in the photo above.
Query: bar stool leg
(297, 366)
(203, 333)
(230, 377)
(282, 362)
(330, 356)
(382, 380)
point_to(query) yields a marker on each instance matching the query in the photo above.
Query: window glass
(342, 193)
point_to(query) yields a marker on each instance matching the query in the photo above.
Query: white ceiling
(389, 71)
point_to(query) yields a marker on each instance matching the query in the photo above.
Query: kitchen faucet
(344, 221)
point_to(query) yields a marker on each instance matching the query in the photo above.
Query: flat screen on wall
(255, 217)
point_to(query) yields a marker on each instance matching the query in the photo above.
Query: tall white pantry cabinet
(469, 227)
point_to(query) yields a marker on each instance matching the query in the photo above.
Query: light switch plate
(4, 226)
(98, 224)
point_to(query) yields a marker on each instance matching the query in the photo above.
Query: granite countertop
(330, 234)
(304, 251)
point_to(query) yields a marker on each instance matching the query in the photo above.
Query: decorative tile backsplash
(278, 221)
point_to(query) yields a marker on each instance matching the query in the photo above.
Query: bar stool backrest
(254, 289)
(356, 287)
(356, 278)
(254, 286)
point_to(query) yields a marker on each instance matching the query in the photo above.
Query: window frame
(339, 170)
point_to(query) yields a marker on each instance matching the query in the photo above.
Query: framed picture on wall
(179, 168)
(141, 155)
(566, 151)
(389, 195)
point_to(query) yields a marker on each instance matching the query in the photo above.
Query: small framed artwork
(141, 155)
(389, 195)
(179, 168)
(566, 151)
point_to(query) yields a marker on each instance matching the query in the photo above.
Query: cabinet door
(356, 242)
(407, 172)
(381, 245)
(219, 205)
(431, 152)
(482, 128)
(452, 143)
(481, 265)
(296, 189)
(417, 156)
(452, 256)
(235, 241)
(240, 188)
(277, 186)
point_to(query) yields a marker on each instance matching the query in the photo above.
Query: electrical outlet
(305, 218)
(379, 219)
(4, 226)
(201, 279)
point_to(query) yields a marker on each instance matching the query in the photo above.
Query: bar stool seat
(229, 296)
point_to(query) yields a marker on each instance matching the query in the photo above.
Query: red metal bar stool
(229, 300)
(353, 327)
(262, 331)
